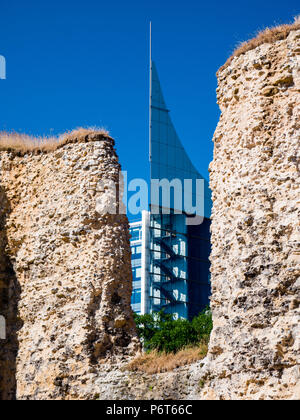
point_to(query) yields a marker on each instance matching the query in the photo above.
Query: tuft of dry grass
(22, 143)
(155, 362)
(267, 35)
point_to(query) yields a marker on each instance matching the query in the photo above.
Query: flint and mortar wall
(254, 350)
(65, 274)
(65, 271)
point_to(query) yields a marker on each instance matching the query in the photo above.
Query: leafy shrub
(160, 332)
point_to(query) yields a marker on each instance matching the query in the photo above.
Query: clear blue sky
(85, 63)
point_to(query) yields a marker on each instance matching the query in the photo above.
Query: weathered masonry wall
(65, 271)
(254, 350)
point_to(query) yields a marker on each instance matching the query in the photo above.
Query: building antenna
(150, 95)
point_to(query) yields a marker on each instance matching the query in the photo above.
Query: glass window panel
(171, 156)
(163, 153)
(163, 133)
(136, 296)
(161, 113)
(136, 263)
(155, 133)
(155, 115)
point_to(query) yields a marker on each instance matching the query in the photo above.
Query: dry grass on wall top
(22, 143)
(267, 35)
(155, 362)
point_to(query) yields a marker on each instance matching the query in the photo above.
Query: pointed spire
(157, 95)
(167, 155)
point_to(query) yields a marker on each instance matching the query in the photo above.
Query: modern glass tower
(140, 260)
(175, 245)
(136, 264)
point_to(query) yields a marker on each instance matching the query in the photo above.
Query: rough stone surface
(254, 349)
(183, 383)
(65, 272)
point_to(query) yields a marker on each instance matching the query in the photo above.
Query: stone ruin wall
(65, 271)
(255, 174)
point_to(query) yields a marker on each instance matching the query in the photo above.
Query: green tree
(159, 331)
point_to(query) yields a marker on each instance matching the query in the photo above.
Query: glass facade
(170, 249)
(168, 158)
(136, 263)
(169, 265)
(179, 277)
